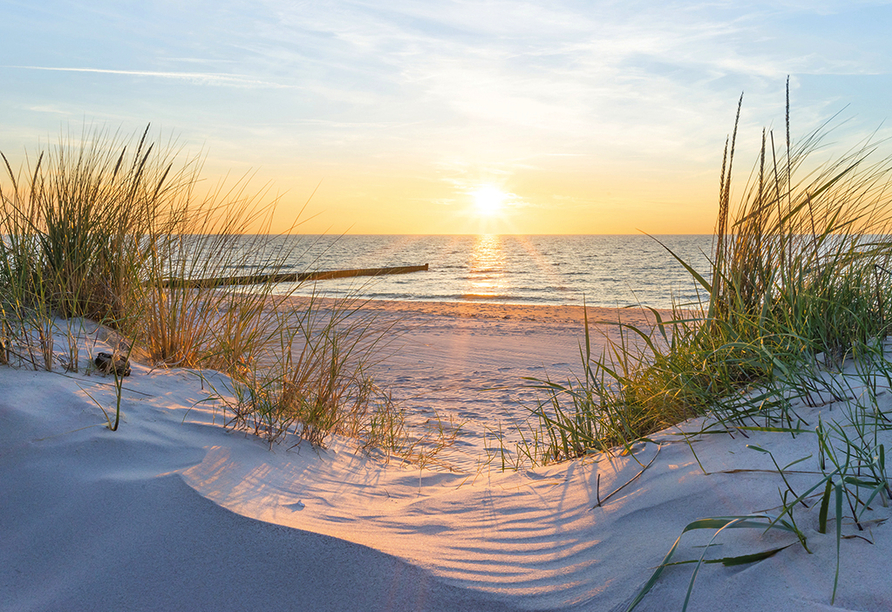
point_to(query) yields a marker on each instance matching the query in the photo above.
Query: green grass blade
(825, 505)
(751, 558)
(755, 521)
(838, 539)
(654, 577)
(694, 274)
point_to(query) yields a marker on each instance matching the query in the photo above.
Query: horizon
(567, 234)
(521, 118)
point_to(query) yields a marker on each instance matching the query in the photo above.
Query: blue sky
(593, 117)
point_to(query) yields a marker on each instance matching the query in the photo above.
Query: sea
(598, 270)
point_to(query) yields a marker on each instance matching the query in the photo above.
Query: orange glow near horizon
(402, 197)
(391, 203)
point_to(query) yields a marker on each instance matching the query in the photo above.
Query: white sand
(172, 512)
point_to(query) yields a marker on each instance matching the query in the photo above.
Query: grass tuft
(800, 272)
(795, 312)
(101, 227)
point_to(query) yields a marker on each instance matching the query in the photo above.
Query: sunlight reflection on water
(602, 270)
(486, 275)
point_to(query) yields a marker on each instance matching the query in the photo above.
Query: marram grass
(93, 227)
(798, 311)
(801, 270)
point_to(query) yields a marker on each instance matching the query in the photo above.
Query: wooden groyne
(260, 279)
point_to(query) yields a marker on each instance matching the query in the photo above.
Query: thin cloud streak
(210, 78)
(603, 101)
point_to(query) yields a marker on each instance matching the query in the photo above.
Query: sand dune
(174, 512)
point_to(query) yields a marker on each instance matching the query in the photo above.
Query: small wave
(478, 271)
(493, 297)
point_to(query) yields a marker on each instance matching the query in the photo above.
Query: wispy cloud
(456, 92)
(201, 78)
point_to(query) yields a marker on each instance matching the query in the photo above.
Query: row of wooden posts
(259, 279)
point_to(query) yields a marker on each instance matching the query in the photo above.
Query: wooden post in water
(259, 279)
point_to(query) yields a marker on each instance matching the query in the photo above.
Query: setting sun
(488, 200)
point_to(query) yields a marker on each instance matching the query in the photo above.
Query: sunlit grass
(797, 313)
(801, 270)
(101, 227)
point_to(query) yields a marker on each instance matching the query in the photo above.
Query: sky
(397, 117)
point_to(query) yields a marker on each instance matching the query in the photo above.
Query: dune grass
(96, 227)
(93, 222)
(801, 272)
(796, 313)
(312, 378)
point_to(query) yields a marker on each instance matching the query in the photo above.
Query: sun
(488, 200)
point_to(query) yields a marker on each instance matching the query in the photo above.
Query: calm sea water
(607, 271)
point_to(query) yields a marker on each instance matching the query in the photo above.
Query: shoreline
(539, 313)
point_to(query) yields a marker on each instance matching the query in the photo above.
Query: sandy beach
(466, 364)
(174, 512)
(292, 307)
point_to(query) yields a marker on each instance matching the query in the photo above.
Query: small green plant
(119, 388)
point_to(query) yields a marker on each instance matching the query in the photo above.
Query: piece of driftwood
(259, 279)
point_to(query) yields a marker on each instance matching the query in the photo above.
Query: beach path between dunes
(474, 367)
